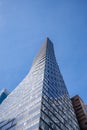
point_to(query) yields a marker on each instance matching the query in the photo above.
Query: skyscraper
(41, 101)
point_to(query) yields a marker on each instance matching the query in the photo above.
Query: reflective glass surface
(41, 100)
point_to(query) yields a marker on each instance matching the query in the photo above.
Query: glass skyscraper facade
(41, 101)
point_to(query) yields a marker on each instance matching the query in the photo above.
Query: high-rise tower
(41, 100)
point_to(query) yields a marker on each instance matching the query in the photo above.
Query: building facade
(41, 101)
(86, 107)
(81, 111)
(3, 94)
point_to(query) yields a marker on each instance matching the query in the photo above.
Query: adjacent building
(86, 107)
(81, 111)
(3, 94)
(41, 101)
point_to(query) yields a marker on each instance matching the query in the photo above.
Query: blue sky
(24, 25)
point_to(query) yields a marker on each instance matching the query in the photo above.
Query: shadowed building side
(3, 94)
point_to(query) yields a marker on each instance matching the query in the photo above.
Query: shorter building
(86, 107)
(3, 94)
(81, 111)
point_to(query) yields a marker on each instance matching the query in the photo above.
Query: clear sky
(24, 25)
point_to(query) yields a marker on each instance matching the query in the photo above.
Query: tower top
(48, 40)
(47, 45)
